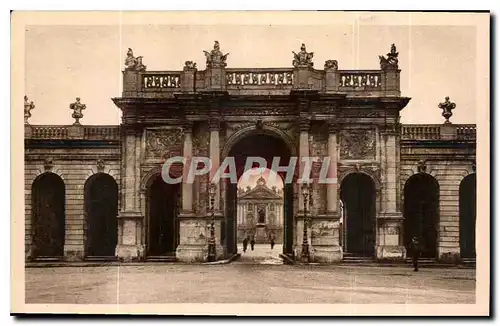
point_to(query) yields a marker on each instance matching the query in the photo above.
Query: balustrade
(367, 79)
(262, 77)
(421, 132)
(161, 80)
(49, 132)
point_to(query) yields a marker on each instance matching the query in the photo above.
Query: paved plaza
(258, 277)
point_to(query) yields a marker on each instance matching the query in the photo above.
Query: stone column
(214, 153)
(303, 152)
(130, 218)
(187, 187)
(331, 189)
(326, 228)
(390, 219)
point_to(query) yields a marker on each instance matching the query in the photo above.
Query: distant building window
(250, 207)
(262, 216)
(271, 208)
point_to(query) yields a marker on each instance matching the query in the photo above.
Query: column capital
(213, 124)
(187, 126)
(304, 124)
(333, 126)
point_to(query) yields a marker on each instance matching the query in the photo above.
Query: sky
(249, 178)
(86, 60)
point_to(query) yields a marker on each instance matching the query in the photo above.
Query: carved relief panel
(357, 144)
(318, 147)
(163, 143)
(201, 145)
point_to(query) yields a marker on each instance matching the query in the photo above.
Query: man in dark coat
(252, 243)
(245, 244)
(272, 243)
(415, 252)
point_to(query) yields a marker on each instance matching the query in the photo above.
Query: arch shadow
(358, 196)
(421, 213)
(101, 212)
(467, 216)
(48, 216)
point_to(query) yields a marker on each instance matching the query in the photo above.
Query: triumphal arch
(98, 192)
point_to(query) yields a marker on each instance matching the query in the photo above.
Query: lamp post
(305, 243)
(211, 241)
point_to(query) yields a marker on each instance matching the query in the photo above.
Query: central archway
(266, 144)
(358, 196)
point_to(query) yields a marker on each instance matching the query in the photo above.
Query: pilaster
(130, 219)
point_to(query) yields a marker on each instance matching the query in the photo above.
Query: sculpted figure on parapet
(391, 62)
(216, 58)
(303, 59)
(133, 63)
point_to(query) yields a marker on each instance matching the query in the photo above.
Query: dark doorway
(101, 210)
(163, 201)
(467, 227)
(267, 147)
(421, 212)
(229, 226)
(48, 193)
(357, 191)
(289, 220)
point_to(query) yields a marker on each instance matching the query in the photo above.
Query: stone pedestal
(390, 246)
(448, 131)
(325, 232)
(75, 131)
(27, 131)
(301, 77)
(194, 236)
(131, 83)
(390, 78)
(331, 80)
(215, 78)
(188, 79)
(129, 246)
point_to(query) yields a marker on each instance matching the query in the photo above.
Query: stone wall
(74, 166)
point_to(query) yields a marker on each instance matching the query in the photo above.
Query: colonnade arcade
(350, 117)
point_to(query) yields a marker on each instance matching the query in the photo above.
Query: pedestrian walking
(272, 243)
(245, 244)
(415, 249)
(252, 243)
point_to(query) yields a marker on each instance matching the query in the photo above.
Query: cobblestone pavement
(257, 278)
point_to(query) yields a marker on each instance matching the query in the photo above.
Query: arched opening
(162, 225)
(48, 197)
(357, 192)
(266, 146)
(101, 211)
(421, 213)
(467, 208)
(260, 213)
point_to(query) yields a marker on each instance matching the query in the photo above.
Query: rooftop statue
(133, 63)
(391, 62)
(28, 106)
(77, 108)
(216, 58)
(303, 59)
(447, 107)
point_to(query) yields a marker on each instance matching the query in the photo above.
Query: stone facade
(260, 213)
(350, 117)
